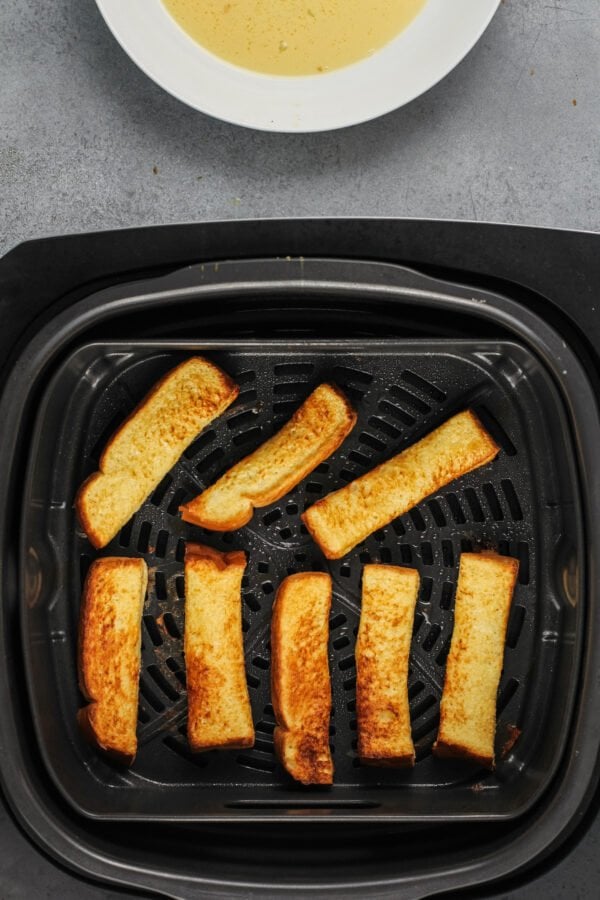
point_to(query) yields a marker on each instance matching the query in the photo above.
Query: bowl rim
(358, 93)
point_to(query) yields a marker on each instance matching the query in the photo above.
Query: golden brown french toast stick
(149, 443)
(110, 622)
(300, 682)
(486, 583)
(389, 597)
(346, 517)
(315, 430)
(219, 713)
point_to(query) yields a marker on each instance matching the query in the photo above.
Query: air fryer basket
(312, 298)
(522, 504)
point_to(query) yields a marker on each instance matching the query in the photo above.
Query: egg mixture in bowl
(293, 37)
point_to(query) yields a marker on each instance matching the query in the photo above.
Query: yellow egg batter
(293, 37)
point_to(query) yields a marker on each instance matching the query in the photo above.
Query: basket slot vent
(384, 427)
(153, 630)
(422, 706)
(477, 513)
(417, 519)
(290, 387)
(171, 626)
(410, 400)
(396, 413)
(447, 553)
(158, 496)
(523, 554)
(160, 585)
(446, 595)
(125, 534)
(165, 686)
(245, 437)
(437, 513)
(150, 696)
(359, 458)
(507, 693)
(251, 602)
(491, 424)
(162, 542)
(425, 728)
(415, 689)
(424, 386)
(406, 554)
(201, 443)
(455, 509)
(493, 502)
(285, 369)
(370, 441)
(426, 590)
(283, 409)
(345, 374)
(209, 460)
(245, 377)
(515, 626)
(144, 537)
(427, 554)
(341, 642)
(241, 419)
(85, 562)
(512, 499)
(443, 654)
(346, 663)
(431, 639)
(271, 517)
(265, 727)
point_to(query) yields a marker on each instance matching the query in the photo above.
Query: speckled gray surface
(82, 130)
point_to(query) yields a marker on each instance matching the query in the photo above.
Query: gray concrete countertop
(88, 142)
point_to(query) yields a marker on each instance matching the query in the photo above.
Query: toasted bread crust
(109, 654)
(486, 583)
(300, 681)
(313, 433)
(346, 517)
(149, 442)
(389, 597)
(219, 713)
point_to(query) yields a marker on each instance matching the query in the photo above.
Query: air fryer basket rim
(375, 281)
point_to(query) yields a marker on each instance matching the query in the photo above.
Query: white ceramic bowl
(432, 45)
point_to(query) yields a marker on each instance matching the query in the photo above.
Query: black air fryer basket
(409, 351)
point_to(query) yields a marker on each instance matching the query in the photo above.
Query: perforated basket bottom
(401, 391)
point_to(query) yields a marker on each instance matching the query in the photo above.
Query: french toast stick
(389, 597)
(110, 637)
(149, 443)
(219, 713)
(315, 430)
(343, 519)
(300, 681)
(486, 583)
